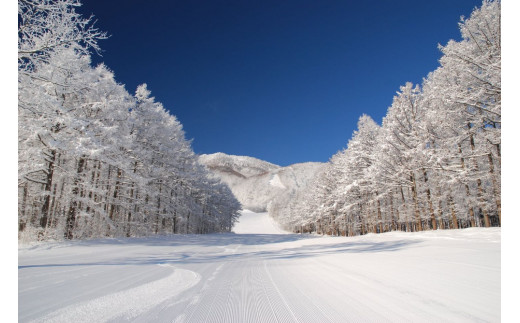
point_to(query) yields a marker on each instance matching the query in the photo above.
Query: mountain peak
(245, 166)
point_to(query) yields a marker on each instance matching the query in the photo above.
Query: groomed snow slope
(441, 276)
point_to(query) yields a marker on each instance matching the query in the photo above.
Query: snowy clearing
(448, 276)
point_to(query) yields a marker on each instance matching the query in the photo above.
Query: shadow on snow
(205, 254)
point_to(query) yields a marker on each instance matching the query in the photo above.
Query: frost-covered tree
(95, 161)
(435, 161)
(467, 88)
(46, 27)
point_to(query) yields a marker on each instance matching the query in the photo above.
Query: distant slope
(256, 223)
(257, 183)
(241, 166)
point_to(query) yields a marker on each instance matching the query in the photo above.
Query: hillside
(257, 183)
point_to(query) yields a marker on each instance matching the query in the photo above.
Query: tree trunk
(471, 212)
(174, 224)
(454, 220)
(430, 204)
(128, 225)
(158, 208)
(416, 202)
(22, 221)
(487, 222)
(379, 215)
(115, 195)
(442, 224)
(394, 215)
(479, 185)
(188, 223)
(499, 155)
(403, 200)
(495, 188)
(47, 189)
(345, 225)
(71, 215)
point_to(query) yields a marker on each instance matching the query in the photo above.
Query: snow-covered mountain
(257, 183)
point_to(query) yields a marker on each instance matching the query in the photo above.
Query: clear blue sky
(283, 81)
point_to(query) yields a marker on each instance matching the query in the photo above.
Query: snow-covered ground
(260, 275)
(260, 223)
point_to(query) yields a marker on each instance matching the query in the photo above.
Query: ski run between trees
(438, 276)
(95, 161)
(119, 220)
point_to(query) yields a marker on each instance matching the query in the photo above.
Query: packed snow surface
(259, 275)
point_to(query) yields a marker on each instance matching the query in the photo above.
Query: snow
(244, 165)
(257, 183)
(259, 223)
(259, 275)
(129, 303)
(276, 182)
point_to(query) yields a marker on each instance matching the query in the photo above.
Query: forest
(94, 160)
(434, 163)
(97, 161)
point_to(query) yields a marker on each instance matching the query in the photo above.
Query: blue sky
(283, 81)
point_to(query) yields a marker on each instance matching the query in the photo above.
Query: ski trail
(257, 223)
(233, 278)
(126, 304)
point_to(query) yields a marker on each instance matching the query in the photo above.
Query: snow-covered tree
(95, 161)
(435, 161)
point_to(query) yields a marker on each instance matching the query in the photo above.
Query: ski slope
(258, 274)
(260, 223)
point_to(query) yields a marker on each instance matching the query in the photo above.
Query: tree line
(434, 163)
(94, 160)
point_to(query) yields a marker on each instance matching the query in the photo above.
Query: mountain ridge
(257, 183)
